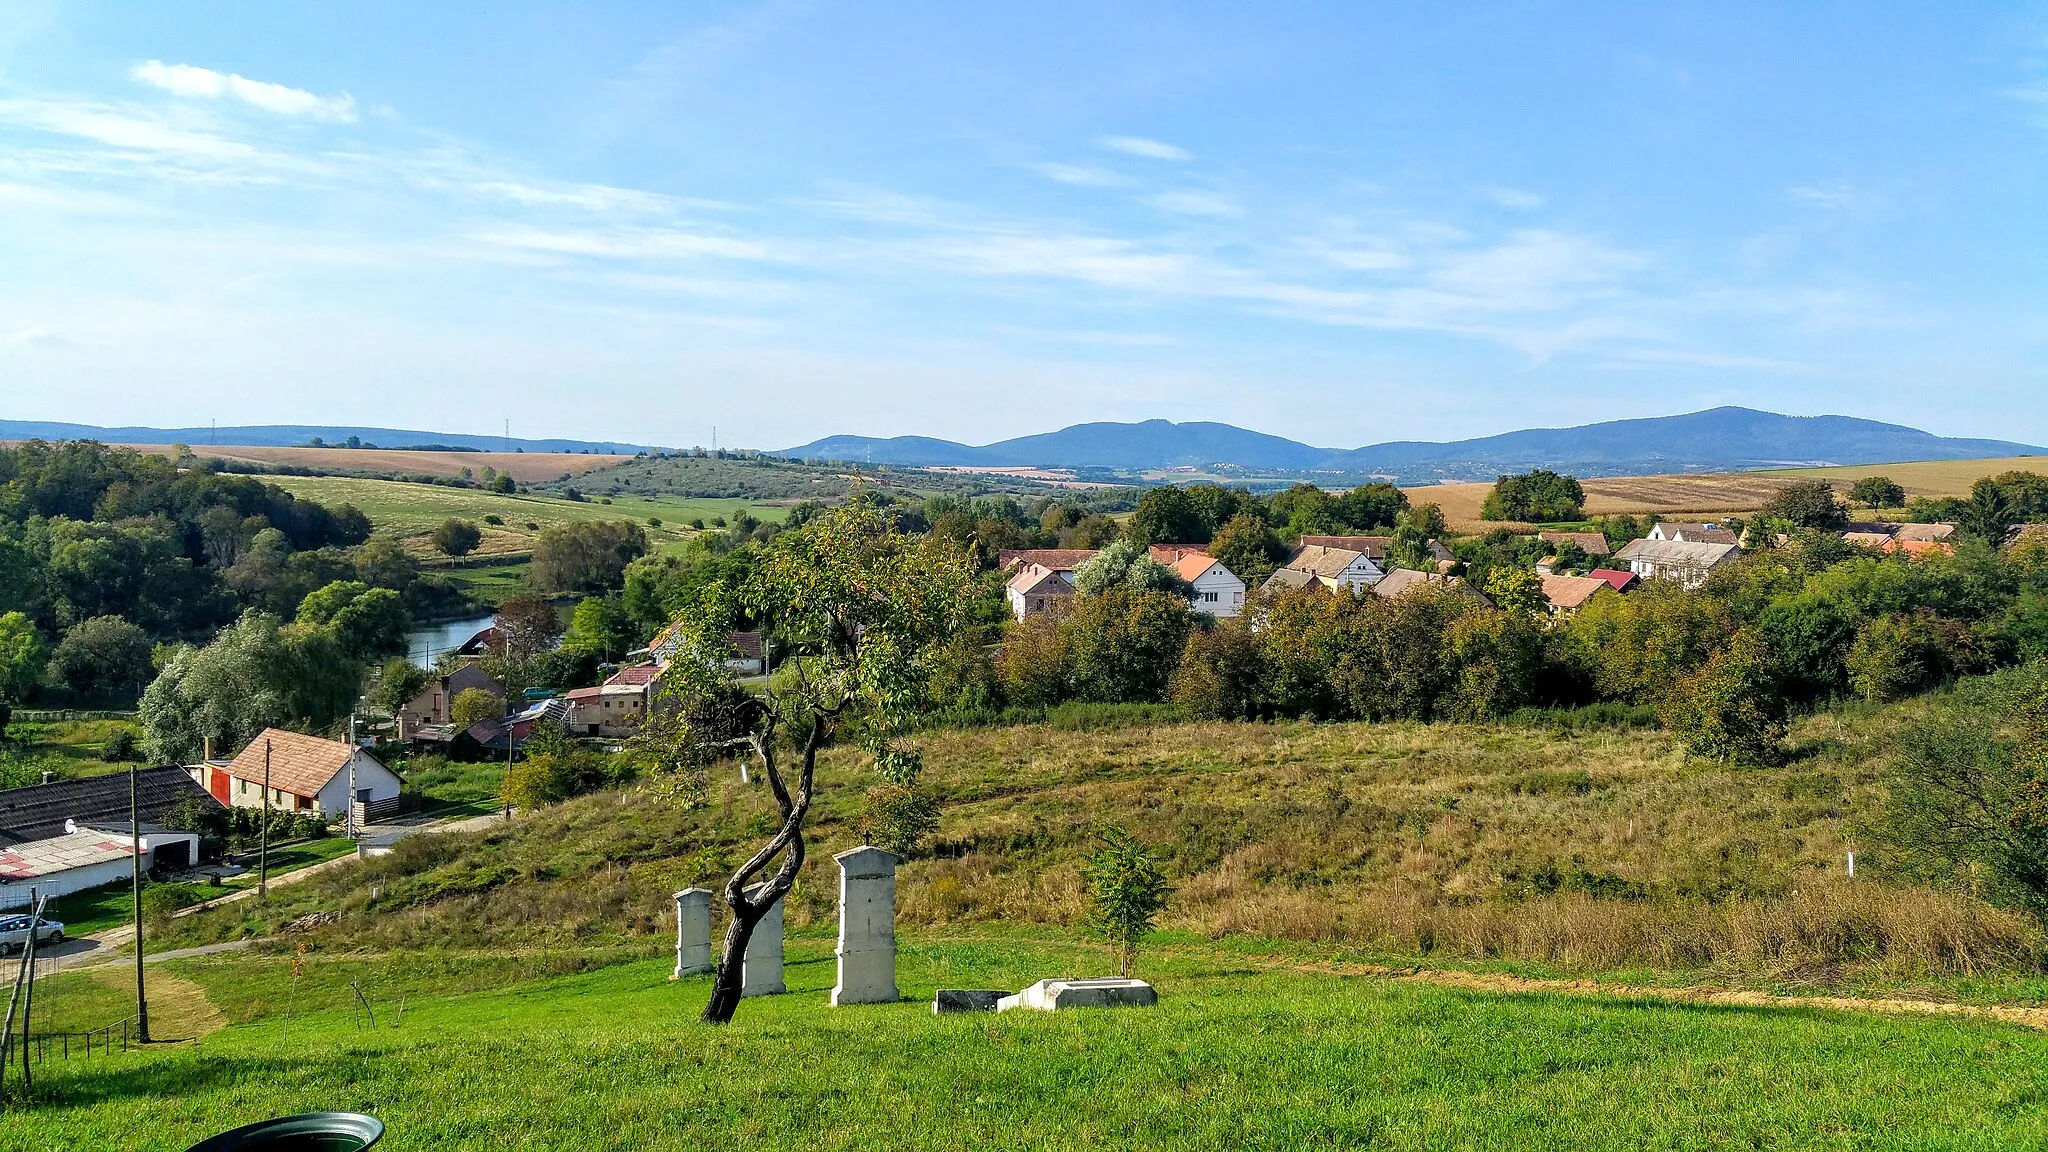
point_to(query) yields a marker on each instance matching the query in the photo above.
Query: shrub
(457, 537)
(1126, 891)
(1731, 709)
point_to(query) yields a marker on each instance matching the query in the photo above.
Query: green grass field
(412, 511)
(1240, 1054)
(71, 748)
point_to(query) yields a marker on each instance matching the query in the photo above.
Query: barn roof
(39, 811)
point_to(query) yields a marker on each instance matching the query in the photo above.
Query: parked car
(14, 933)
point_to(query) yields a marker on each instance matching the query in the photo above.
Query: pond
(425, 644)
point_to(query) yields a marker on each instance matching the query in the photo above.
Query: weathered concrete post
(693, 932)
(867, 927)
(761, 973)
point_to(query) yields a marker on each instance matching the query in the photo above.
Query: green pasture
(1239, 1055)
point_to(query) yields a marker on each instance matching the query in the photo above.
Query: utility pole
(348, 822)
(135, 895)
(263, 833)
(28, 995)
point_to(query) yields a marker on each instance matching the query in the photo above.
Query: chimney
(205, 749)
(49, 776)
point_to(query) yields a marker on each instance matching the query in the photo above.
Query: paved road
(97, 948)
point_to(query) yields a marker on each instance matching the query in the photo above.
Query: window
(1209, 597)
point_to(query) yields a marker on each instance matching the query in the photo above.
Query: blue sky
(1342, 222)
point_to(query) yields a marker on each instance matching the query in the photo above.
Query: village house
(1218, 591)
(748, 655)
(432, 705)
(1620, 581)
(1375, 547)
(1036, 588)
(1061, 560)
(1691, 533)
(1591, 543)
(1352, 569)
(616, 707)
(1688, 562)
(87, 856)
(40, 811)
(306, 774)
(1565, 595)
(1398, 582)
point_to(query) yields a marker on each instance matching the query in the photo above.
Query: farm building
(40, 811)
(1061, 560)
(1218, 591)
(306, 774)
(1568, 594)
(615, 707)
(1591, 543)
(1355, 570)
(86, 857)
(431, 706)
(1375, 547)
(1401, 581)
(1685, 561)
(1691, 533)
(1036, 588)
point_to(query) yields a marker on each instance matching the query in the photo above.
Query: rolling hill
(1718, 440)
(291, 435)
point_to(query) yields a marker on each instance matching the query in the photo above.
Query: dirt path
(1503, 984)
(178, 1008)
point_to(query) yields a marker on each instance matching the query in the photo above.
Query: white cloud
(39, 338)
(1360, 259)
(1196, 204)
(1515, 198)
(195, 83)
(118, 128)
(1081, 174)
(1833, 195)
(628, 243)
(1141, 146)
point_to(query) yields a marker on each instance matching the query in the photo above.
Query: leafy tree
(527, 626)
(104, 659)
(457, 537)
(1126, 892)
(254, 674)
(1499, 656)
(1413, 532)
(366, 622)
(473, 704)
(1967, 796)
(1537, 496)
(1222, 673)
(384, 563)
(1732, 708)
(398, 682)
(1248, 546)
(600, 626)
(589, 556)
(1370, 506)
(1169, 515)
(22, 656)
(1035, 666)
(1807, 504)
(1875, 492)
(1304, 509)
(1644, 643)
(1127, 564)
(861, 609)
(1990, 512)
(1125, 642)
(1896, 656)
(1516, 590)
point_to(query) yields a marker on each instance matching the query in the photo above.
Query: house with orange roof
(1218, 591)
(300, 773)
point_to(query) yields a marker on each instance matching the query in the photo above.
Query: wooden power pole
(263, 833)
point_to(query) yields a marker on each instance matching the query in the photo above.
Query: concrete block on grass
(965, 1000)
(1052, 995)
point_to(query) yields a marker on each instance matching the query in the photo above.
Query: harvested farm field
(525, 467)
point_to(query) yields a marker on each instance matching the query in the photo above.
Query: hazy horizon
(632, 222)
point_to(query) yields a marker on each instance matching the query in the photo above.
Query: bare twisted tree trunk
(788, 842)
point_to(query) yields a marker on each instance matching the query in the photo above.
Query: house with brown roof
(1401, 581)
(1343, 566)
(432, 705)
(1061, 560)
(1918, 532)
(1686, 561)
(1218, 591)
(1036, 588)
(1591, 543)
(1373, 546)
(302, 773)
(1567, 594)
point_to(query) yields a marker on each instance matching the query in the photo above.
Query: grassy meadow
(412, 511)
(525, 467)
(70, 748)
(1243, 1052)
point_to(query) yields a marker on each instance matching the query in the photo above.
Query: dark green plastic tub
(311, 1132)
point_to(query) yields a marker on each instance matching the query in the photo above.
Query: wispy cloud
(195, 83)
(1142, 146)
(38, 338)
(118, 128)
(1189, 203)
(1515, 198)
(1084, 175)
(1832, 195)
(628, 243)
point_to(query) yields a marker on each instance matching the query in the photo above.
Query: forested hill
(1720, 439)
(294, 435)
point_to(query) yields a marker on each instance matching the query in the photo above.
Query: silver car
(14, 933)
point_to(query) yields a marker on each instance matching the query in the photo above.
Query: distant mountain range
(1718, 440)
(292, 435)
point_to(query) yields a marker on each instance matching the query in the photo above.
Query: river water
(425, 644)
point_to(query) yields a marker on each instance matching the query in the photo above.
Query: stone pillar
(867, 927)
(693, 932)
(761, 973)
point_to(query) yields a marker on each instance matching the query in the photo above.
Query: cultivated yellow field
(526, 467)
(1723, 493)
